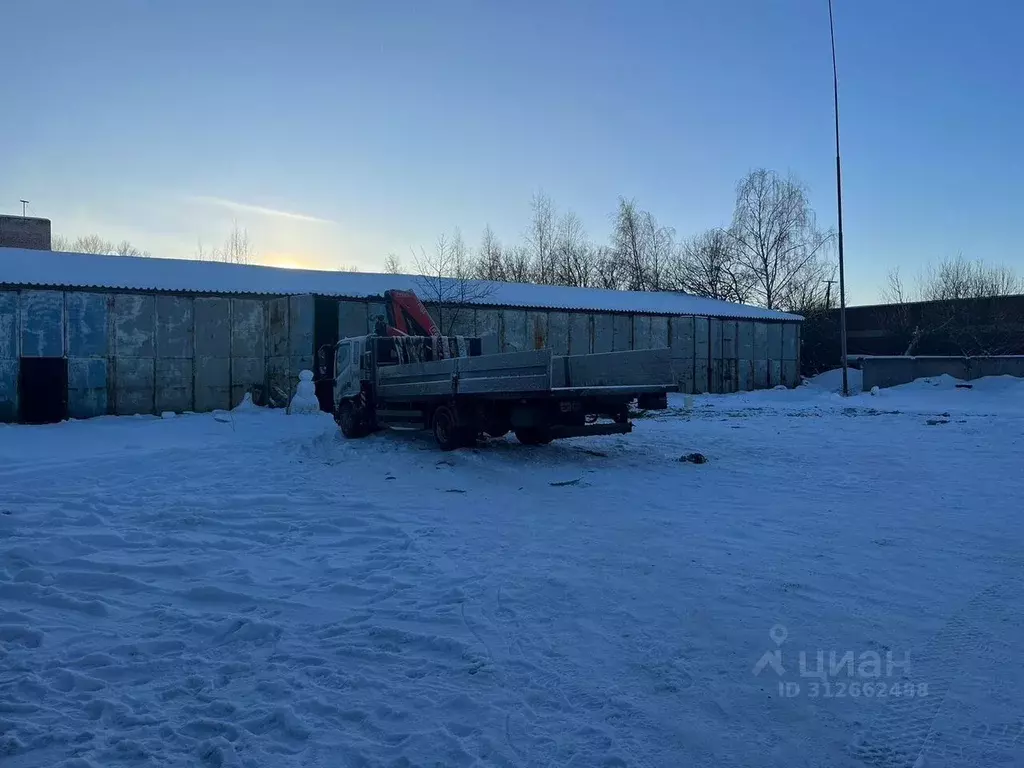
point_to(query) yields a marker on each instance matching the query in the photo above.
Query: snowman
(305, 395)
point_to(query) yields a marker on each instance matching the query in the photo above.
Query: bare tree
(776, 237)
(897, 316)
(609, 271)
(707, 266)
(573, 253)
(958, 278)
(955, 307)
(516, 267)
(96, 244)
(540, 238)
(629, 246)
(660, 250)
(392, 264)
(490, 259)
(446, 280)
(237, 248)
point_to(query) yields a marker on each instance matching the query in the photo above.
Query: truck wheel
(533, 436)
(349, 421)
(446, 433)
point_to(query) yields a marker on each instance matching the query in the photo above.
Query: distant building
(84, 335)
(24, 232)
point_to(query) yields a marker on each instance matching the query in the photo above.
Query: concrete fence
(891, 371)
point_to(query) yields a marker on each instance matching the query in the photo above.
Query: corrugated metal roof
(21, 267)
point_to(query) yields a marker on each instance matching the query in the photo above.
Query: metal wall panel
(212, 327)
(277, 325)
(134, 325)
(622, 332)
(174, 386)
(775, 343)
(375, 309)
(513, 331)
(745, 340)
(558, 332)
(580, 336)
(212, 383)
(715, 377)
(729, 339)
(701, 355)
(488, 323)
(9, 327)
(135, 383)
(8, 390)
(248, 374)
(460, 321)
(790, 341)
(604, 332)
(87, 386)
(641, 331)
(248, 328)
(790, 373)
(682, 347)
(42, 323)
(300, 328)
(175, 329)
(745, 374)
(537, 330)
(760, 342)
(88, 320)
(659, 332)
(760, 374)
(715, 351)
(352, 319)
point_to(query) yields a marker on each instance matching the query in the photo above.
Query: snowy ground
(260, 592)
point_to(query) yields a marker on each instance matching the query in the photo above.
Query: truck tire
(533, 436)
(349, 419)
(446, 430)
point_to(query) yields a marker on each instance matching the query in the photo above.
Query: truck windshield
(344, 357)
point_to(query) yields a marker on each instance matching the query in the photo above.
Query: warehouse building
(84, 335)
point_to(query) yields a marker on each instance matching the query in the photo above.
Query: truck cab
(350, 369)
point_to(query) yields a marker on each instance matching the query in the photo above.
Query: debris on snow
(694, 458)
(168, 415)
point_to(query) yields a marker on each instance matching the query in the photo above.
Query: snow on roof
(22, 267)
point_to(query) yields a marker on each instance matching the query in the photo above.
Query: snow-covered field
(260, 592)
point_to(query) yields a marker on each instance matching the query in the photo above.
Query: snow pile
(247, 404)
(305, 400)
(271, 594)
(832, 381)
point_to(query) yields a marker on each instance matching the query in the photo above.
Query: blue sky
(336, 132)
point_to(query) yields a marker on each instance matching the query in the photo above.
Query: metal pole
(828, 294)
(24, 206)
(839, 207)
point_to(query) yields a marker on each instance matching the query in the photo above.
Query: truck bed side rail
(509, 372)
(641, 367)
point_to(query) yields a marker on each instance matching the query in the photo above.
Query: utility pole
(24, 208)
(828, 293)
(839, 207)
